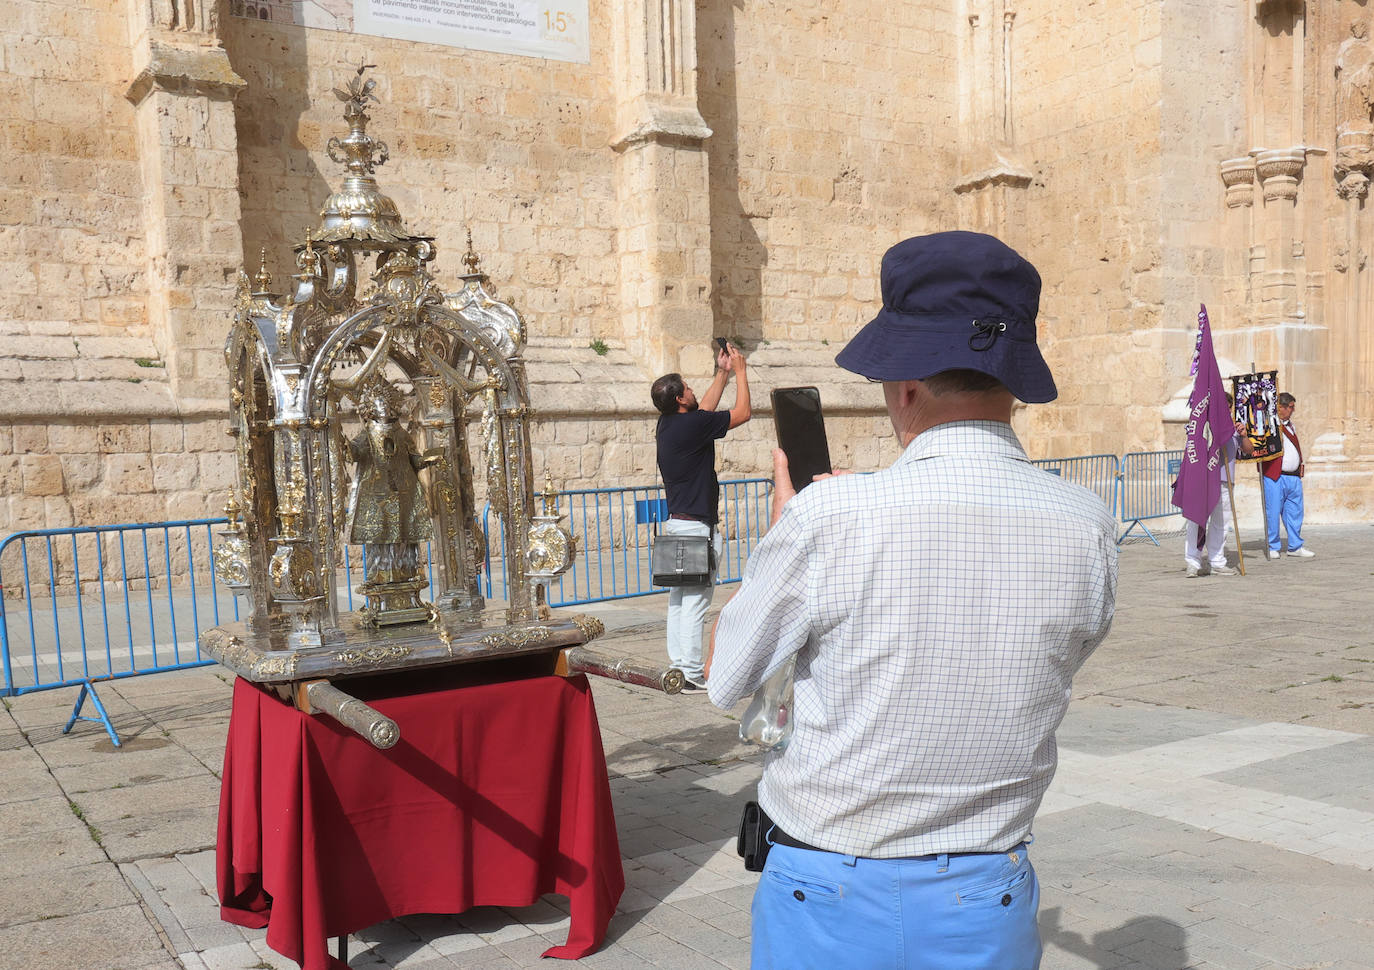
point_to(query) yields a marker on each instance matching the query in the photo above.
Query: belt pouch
(752, 844)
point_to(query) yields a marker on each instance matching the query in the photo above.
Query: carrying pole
(1264, 503)
(1235, 524)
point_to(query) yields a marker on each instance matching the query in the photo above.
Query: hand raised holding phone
(801, 435)
(728, 356)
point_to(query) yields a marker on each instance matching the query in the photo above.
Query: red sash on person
(1274, 466)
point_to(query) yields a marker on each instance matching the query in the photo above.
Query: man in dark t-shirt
(686, 435)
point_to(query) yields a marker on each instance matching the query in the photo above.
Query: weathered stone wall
(71, 230)
(149, 470)
(1088, 127)
(833, 139)
(1147, 155)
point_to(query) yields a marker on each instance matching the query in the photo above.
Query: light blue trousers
(687, 607)
(1283, 500)
(823, 911)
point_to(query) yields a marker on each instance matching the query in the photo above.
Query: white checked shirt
(938, 610)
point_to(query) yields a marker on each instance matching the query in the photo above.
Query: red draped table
(495, 795)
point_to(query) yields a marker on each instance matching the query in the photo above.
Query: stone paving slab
(1337, 775)
(98, 939)
(1212, 810)
(33, 895)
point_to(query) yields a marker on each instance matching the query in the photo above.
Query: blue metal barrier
(88, 604)
(1147, 479)
(83, 605)
(1097, 473)
(613, 529)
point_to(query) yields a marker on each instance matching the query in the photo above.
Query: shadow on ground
(1151, 941)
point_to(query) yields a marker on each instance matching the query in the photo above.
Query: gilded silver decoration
(517, 637)
(372, 656)
(281, 666)
(550, 545)
(590, 626)
(231, 555)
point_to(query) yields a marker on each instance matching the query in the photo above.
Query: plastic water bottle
(767, 721)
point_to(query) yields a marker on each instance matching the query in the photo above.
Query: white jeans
(687, 606)
(1216, 537)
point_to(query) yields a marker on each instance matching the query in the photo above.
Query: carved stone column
(991, 172)
(1279, 171)
(1354, 163)
(183, 89)
(1238, 175)
(662, 186)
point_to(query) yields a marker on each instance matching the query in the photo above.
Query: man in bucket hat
(937, 611)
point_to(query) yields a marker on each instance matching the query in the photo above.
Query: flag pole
(1264, 502)
(1235, 524)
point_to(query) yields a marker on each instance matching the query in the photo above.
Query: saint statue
(1355, 80)
(387, 511)
(1354, 104)
(387, 503)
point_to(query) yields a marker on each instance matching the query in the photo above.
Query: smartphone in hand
(801, 433)
(723, 344)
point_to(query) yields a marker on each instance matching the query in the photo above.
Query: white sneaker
(1225, 571)
(1192, 571)
(1272, 553)
(1302, 552)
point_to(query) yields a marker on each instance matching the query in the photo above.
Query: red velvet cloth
(495, 795)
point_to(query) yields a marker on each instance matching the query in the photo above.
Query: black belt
(689, 518)
(1294, 474)
(778, 837)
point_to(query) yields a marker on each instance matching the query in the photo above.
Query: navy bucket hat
(955, 301)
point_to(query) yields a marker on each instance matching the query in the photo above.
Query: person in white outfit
(1212, 544)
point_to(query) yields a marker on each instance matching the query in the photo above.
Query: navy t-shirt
(687, 461)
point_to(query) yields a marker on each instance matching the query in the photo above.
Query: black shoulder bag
(683, 560)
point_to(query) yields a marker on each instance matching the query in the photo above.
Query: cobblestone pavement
(1213, 807)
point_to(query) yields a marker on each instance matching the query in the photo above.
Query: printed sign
(553, 29)
(1257, 407)
(534, 28)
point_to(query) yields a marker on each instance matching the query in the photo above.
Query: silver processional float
(351, 403)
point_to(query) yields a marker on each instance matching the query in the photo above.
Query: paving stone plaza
(1213, 807)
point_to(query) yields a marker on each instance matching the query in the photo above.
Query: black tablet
(801, 433)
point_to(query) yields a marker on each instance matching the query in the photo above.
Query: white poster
(555, 29)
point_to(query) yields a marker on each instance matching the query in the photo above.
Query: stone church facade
(717, 168)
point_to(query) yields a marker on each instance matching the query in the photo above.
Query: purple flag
(1210, 426)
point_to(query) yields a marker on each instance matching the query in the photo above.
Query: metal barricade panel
(1147, 479)
(86, 604)
(1097, 473)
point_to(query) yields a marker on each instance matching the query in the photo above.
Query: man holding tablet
(937, 611)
